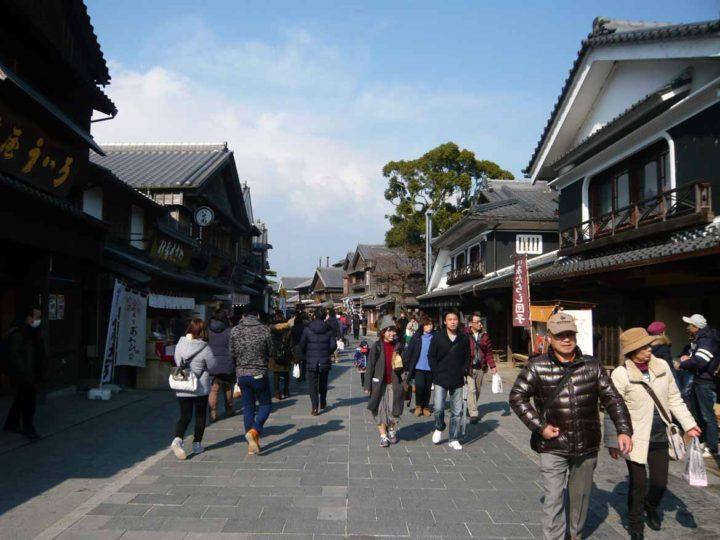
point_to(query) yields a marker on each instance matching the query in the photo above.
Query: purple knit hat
(656, 328)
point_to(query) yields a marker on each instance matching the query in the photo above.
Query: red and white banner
(521, 293)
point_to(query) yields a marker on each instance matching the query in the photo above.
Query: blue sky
(315, 97)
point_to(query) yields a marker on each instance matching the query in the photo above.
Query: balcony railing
(690, 200)
(471, 271)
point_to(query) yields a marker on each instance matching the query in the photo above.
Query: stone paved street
(320, 477)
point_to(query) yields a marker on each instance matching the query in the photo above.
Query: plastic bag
(296, 371)
(497, 387)
(695, 473)
(237, 393)
(340, 345)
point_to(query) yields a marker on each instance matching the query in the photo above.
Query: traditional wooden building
(474, 259)
(327, 285)
(51, 74)
(631, 147)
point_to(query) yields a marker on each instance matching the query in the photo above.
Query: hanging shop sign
(162, 301)
(33, 154)
(167, 249)
(521, 294)
(125, 343)
(111, 341)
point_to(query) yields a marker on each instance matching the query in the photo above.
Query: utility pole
(428, 248)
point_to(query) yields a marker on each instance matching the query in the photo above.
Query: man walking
(449, 357)
(317, 345)
(251, 346)
(356, 326)
(481, 356)
(565, 387)
(701, 358)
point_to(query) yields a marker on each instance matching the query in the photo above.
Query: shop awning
(164, 301)
(9, 75)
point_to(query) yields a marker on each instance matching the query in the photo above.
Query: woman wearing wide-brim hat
(384, 383)
(642, 371)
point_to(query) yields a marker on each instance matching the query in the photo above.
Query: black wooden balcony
(475, 270)
(674, 209)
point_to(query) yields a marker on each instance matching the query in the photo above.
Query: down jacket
(317, 345)
(574, 411)
(629, 381)
(184, 349)
(219, 340)
(704, 352)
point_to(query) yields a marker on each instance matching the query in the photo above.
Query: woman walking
(417, 365)
(282, 356)
(384, 382)
(222, 367)
(193, 351)
(638, 380)
(317, 345)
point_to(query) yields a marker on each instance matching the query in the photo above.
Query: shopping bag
(296, 371)
(237, 393)
(695, 473)
(340, 345)
(497, 384)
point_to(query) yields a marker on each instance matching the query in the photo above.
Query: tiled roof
(378, 301)
(678, 245)
(331, 277)
(162, 166)
(292, 283)
(304, 284)
(519, 200)
(610, 32)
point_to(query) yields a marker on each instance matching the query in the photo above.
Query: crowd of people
(647, 399)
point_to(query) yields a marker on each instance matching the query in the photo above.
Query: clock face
(204, 216)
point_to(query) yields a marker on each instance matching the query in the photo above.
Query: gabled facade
(631, 147)
(327, 285)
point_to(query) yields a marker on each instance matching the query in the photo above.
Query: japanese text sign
(521, 293)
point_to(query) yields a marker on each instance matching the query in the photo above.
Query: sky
(314, 97)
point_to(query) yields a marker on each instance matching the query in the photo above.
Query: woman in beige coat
(650, 441)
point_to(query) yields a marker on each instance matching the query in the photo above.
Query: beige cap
(561, 322)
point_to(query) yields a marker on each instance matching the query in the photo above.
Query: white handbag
(189, 383)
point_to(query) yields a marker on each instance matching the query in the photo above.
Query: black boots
(653, 519)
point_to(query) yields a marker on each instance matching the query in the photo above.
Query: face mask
(35, 323)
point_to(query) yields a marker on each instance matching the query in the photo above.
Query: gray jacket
(198, 365)
(219, 340)
(251, 345)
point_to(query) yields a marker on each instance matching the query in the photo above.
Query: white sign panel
(584, 323)
(131, 329)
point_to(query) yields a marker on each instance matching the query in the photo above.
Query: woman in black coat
(384, 384)
(317, 344)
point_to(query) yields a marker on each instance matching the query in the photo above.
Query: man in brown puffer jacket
(565, 424)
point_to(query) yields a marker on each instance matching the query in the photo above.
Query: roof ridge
(165, 147)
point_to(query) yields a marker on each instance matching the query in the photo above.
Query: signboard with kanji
(521, 294)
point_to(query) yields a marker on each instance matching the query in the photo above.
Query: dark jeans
(23, 407)
(284, 388)
(318, 386)
(362, 379)
(423, 384)
(255, 392)
(657, 464)
(187, 404)
(702, 403)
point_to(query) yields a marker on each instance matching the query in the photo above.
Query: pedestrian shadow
(349, 402)
(475, 432)
(495, 406)
(302, 434)
(240, 438)
(617, 500)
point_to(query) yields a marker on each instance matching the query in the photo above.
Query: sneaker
(437, 436)
(393, 436)
(455, 445)
(707, 453)
(198, 448)
(253, 439)
(177, 448)
(384, 442)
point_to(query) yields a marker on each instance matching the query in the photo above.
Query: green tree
(444, 180)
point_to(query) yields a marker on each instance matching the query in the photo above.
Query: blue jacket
(317, 345)
(704, 354)
(412, 352)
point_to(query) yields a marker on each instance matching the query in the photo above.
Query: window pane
(604, 198)
(474, 254)
(459, 261)
(650, 180)
(622, 186)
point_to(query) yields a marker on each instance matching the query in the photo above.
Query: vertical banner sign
(521, 293)
(111, 341)
(131, 330)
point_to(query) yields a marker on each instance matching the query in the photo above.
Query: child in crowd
(361, 354)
